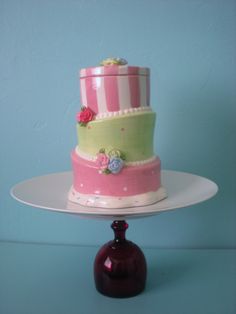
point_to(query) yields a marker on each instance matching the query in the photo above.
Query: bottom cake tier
(135, 185)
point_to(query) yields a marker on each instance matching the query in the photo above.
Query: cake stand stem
(120, 266)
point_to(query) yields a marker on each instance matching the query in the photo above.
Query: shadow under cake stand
(120, 266)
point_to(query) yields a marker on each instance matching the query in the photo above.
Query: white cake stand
(50, 192)
(120, 266)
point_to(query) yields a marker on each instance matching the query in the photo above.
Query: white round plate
(51, 191)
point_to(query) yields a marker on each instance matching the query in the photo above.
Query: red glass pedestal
(120, 266)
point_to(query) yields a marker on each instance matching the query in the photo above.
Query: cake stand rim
(119, 213)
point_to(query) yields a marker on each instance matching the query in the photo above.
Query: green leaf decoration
(122, 156)
(102, 151)
(106, 171)
(82, 123)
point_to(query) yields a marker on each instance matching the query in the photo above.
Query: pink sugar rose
(85, 115)
(102, 160)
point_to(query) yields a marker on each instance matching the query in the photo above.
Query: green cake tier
(132, 134)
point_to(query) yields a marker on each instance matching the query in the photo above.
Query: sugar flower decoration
(113, 61)
(115, 164)
(102, 160)
(84, 116)
(110, 161)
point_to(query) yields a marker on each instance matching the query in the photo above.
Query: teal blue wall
(190, 47)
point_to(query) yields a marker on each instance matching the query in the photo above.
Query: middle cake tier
(132, 134)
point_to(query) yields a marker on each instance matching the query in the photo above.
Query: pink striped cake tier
(115, 88)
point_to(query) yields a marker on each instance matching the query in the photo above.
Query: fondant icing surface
(114, 165)
(117, 202)
(115, 87)
(132, 134)
(132, 180)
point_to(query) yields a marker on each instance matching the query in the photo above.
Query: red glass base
(120, 266)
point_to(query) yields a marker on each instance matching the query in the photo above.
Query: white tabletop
(50, 192)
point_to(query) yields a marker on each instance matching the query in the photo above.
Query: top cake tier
(114, 88)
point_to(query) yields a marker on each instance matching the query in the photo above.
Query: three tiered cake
(114, 165)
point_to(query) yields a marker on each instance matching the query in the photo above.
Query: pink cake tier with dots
(133, 186)
(131, 180)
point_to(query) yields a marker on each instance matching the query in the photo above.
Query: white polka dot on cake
(81, 184)
(125, 188)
